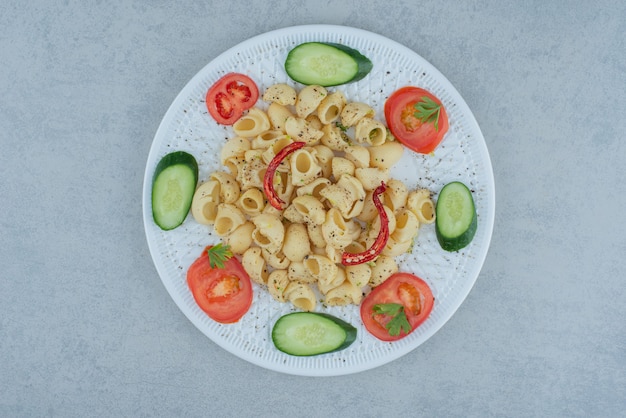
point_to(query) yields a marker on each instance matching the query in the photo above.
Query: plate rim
(487, 223)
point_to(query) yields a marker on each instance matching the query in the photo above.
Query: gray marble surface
(88, 329)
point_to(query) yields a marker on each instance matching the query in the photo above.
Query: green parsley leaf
(341, 126)
(428, 111)
(398, 322)
(218, 255)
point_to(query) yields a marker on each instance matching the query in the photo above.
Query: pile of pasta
(327, 188)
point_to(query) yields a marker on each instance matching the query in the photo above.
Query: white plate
(461, 156)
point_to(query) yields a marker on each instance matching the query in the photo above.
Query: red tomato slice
(405, 289)
(421, 137)
(230, 96)
(225, 294)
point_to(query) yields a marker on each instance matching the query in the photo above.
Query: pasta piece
(271, 210)
(332, 282)
(298, 272)
(304, 168)
(252, 123)
(314, 188)
(333, 254)
(421, 204)
(227, 219)
(357, 195)
(234, 165)
(396, 195)
(292, 215)
(359, 274)
(334, 138)
(309, 99)
(344, 294)
(266, 139)
(324, 157)
(315, 235)
(347, 195)
(338, 232)
(353, 112)
(371, 177)
(320, 268)
(301, 295)
(314, 121)
(252, 171)
(300, 130)
(277, 283)
(269, 232)
(280, 93)
(241, 238)
(330, 107)
(229, 187)
(370, 131)
(278, 115)
(359, 155)
(395, 248)
(296, 245)
(311, 209)
(342, 166)
(254, 264)
(234, 147)
(407, 226)
(205, 201)
(386, 155)
(252, 202)
(382, 268)
(276, 260)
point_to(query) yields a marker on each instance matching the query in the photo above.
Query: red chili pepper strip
(351, 259)
(268, 180)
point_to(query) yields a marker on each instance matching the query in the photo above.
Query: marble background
(88, 329)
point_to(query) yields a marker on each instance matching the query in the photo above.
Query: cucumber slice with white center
(456, 217)
(173, 185)
(326, 64)
(311, 333)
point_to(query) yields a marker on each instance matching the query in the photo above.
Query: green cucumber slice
(326, 64)
(173, 185)
(311, 334)
(456, 219)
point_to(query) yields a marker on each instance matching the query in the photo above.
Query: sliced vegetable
(230, 97)
(457, 221)
(326, 64)
(311, 333)
(220, 285)
(395, 308)
(173, 185)
(268, 179)
(416, 118)
(350, 259)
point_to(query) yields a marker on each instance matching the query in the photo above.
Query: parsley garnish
(398, 322)
(341, 126)
(218, 255)
(428, 111)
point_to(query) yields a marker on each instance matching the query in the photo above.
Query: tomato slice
(424, 134)
(224, 294)
(230, 96)
(405, 289)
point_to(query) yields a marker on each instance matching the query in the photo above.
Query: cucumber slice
(456, 220)
(311, 333)
(326, 64)
(173, 185)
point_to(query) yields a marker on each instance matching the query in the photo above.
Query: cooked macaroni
(327, 188)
